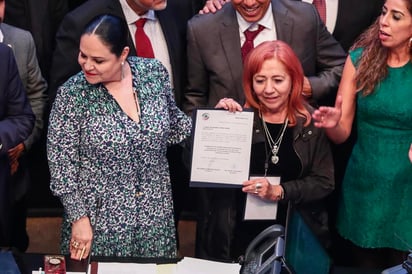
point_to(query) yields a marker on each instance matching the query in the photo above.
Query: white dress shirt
(268, 34)
(153, 31)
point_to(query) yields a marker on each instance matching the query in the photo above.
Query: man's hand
(212, 6)
(14, 155)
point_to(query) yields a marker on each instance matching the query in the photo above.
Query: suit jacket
(16, 124)
(172, 20)
(41, 18)
(214, 55)
(24, 49)
(353, 18)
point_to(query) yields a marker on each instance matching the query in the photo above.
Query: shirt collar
(132, 17)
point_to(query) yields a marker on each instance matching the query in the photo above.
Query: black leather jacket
(315, 180)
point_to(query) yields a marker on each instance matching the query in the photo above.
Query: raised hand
(328, 117)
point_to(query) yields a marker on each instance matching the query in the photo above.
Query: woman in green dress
(374, 96)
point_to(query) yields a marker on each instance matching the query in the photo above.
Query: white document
(221, 148)
(42, 272)
(259, 209)
(186, 266)
(190, 265)
(126, 268)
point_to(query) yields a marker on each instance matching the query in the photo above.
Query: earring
(122, 70)
(410, 43)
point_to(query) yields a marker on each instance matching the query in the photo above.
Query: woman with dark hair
(285, 143)
(109, 130)
(374, 94)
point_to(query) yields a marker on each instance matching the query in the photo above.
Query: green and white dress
(97, 152)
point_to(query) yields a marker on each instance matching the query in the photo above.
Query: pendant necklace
(274, 145)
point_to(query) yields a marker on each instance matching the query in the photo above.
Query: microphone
(96, 220)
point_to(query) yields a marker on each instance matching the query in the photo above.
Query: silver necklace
(274, 146)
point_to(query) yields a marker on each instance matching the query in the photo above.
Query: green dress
(376, 206)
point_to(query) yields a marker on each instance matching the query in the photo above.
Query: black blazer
(353, 18)
(172, 20)
(41, 18)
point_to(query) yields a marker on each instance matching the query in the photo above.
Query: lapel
(230, 41)
(174, 47)
(339, 17)
(115, 8)
(283, 23)
(171, 33)
(7, 39)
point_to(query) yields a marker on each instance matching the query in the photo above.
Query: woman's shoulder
(355, 54)
(76, 88)
(147, 68)
(141, 63)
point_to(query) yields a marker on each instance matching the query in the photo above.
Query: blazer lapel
(174, 47)
(283, 23)
(230, 40)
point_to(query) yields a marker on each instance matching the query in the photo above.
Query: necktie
(250, 36)
(143, 45)
(321, 7)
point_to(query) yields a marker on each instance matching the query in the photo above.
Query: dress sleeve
(63, 141)
(180, 123)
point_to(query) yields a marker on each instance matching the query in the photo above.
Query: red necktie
(250, 36)
(321, 7)
(143, 45)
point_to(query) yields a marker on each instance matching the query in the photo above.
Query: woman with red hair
(286, 144)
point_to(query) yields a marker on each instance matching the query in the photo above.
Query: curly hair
(372, 66)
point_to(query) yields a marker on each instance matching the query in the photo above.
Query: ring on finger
(75, 244)
(257, 187)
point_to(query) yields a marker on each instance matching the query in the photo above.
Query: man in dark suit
(215, 71)
(167, 32)
(24, 50)
(172, 20)
(347, 19)
(16, 124)
(41, 18)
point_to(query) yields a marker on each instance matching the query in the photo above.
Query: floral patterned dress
(97, 153)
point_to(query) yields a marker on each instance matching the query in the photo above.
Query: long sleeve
(16, 116)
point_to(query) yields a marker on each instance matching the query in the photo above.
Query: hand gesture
(328, 117)
(410, 153)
